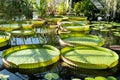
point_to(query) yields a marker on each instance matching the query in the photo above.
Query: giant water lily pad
(55, 19)
(22, 32)
(83, 39)
(116, 24)
(78, 28)
(74, 23)
(100, 26)
(77, 18)
(36, 23)
(90, 57)
(9, 27)
(4, 38)
(30, 56)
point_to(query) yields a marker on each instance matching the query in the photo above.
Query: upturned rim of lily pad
(54, 57)
(89, 57)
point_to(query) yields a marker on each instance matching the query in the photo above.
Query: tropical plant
(41, 8)
(62, 8)
(111, 7)
(13, 9)
(83, 7)
(76, 8)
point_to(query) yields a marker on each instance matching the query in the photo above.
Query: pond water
(65, 71)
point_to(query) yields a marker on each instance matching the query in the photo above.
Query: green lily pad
(4, 77)
(22, 32)
(9, 27)
(51, 76)
(116, 24)
(77, 18)
(74, 23)
(78, 28)
(89, 78)
(100, 78)
(116, 34)
(76, 79)
(111, 78)
(53, 20)
(30, 56)
(90, 57)
(36, 23)
(4, 38)
(84, 39)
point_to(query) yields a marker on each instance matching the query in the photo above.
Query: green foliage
(62, 8)
(52, 37)
(76, 8)
(3, 33)
(15, 8)
(42, 8)
(83, 7)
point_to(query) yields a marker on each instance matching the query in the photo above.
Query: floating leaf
(90, 57)
(84, 39)
(100, 78)
(22, 32)
(4, 38)
(9, 27)
(51, 76)
(111, 78)
(76, 79)
(78, 28)
(30, 56)
(89, 78)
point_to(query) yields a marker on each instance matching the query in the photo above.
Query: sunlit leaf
(31, 56)
(90, 57)
(52, 76)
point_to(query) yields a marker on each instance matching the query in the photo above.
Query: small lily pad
(50, 76)
(76, 79)
(89, 78)
(111, 78)
(100, 78)
(4, 77)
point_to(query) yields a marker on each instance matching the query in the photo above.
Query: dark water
(65, 71)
